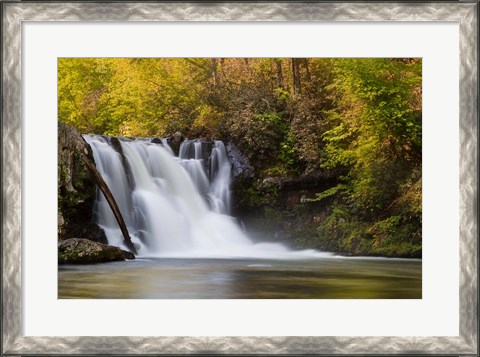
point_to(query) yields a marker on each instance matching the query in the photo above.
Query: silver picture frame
(15, 13)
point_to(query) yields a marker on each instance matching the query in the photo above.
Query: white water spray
(175, 206)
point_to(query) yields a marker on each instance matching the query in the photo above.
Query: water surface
(166, 278)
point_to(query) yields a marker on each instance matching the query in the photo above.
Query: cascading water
(174, 206)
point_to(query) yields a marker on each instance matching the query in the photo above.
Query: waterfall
(174, 206)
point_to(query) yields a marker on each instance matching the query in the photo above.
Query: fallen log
(111, 202)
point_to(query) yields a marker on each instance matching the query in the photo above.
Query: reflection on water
(334, 278)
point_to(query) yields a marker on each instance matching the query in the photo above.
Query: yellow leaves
(208, 119)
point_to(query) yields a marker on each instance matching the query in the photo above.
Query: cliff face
(76, 188)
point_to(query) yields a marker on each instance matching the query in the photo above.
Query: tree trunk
(296, 75)
(278, 63)
(111, 202)
(307, 69)
(214, 71)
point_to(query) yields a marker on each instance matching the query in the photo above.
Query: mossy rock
(76, 186)
(84, 251)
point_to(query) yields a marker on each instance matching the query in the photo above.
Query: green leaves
(328, 193)
(375, 132)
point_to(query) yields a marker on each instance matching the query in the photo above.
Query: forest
(353, 126)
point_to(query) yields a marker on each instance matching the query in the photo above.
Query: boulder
(85, 251)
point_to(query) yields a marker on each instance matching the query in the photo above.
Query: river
(166, 278)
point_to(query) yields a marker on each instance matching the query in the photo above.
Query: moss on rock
(84, 251)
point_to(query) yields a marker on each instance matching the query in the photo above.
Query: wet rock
(241, 167)
(84, 251)
(89, 231)
(116, 144)
(76, 187)
(174, 141)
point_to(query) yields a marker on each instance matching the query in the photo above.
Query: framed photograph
(239, 178)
